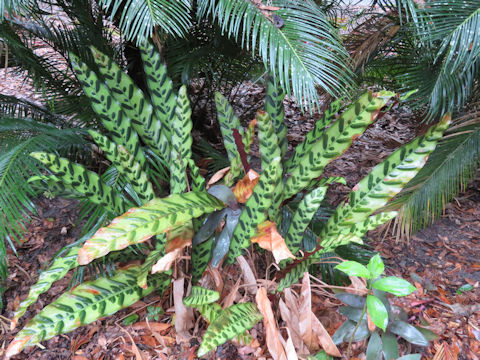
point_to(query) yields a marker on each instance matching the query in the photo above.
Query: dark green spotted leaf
(408, 332)
(201, 255)
(200, 296)
(151, 260)
(295, 272)
(377, 311)
(231, 322)
(394, 285)
(374, 348)
(276, 111)
(84, 304)
(139, 224)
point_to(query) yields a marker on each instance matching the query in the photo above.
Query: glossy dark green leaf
(410, 357)
(394, 285)
(378, 312)
(208, 228)
(389, 346)
(129, 320)
(429, 334)
(463, 288)
(352, 313)
(374, 348)
(224, 193)
(352, 300)
(345, 331)
(353, 268)
(375, 266)
(382, 295)
(408, 332)
(222, 241)
(322, 355)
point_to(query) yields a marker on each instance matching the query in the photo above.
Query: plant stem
(355, 330)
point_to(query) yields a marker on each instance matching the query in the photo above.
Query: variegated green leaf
(248, 136)
(84, 304)
(163, 98)
(84, 181)
(108, 109)
(255, 211)
(314, 134)
(335, 141)
(383, 182)
(201, 296)
(231, 322)
(210, 311)
(198, 181)
(139, 224)
(307, 207)
(126, 164)
(151, 260)
(228, 122)
(275, 109)
(54, 186)
(181, 143)
(295, 272)
(60, 267)
(201, 255)
(133, 103)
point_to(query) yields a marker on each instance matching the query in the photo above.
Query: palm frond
(301, 48)
(140, 17)
(447, 171)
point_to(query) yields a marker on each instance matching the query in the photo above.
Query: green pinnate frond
(295, 272)
(232, 322)
(314, 134)
(161, 92)
(255, 211)
(228, 122)
(384, 181)
(151, 260)
(201, 296)
(201, 255)
(59, 268)
(126, 164)
(276, 111)
(133, 102)
(83, 181)
(154, 218)
(302, 217)
(108, 109)
(335, 140)
(181, 143)
(84, 304)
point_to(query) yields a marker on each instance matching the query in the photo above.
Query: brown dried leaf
(268, 238)
(305, 315)
(218, 176)
(166, 261)
(244, 187)
(183, 315)
(324, 337)
(248, 276)
(274, 344)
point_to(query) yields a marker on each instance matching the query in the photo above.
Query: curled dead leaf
(268, 238)
(218, 176)
(166, 262)
(244, 187)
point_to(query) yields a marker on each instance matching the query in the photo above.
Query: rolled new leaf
(336, 140)
(84, 304)
(382, 183)
(83, 181)
(139, 224)
(231, 322)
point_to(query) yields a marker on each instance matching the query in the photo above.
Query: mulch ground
(438, 260)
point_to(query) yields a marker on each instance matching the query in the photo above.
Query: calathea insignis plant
(162, 122)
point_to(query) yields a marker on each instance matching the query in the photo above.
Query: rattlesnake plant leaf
(108, 109)
(295, 272)
(181, 143)
(54, 186)
(384, 181)
(84, 304)
(201, 255)
(133, 101)
(270, 150)
(198, 181)
(307, 207)
(126, 164)
(139, 224)
(335, 141)
(231, 322)
(59, 268)
(201, 296)
(314, 134)
(255, 211)
(151, 259)
(229, 121)
(210, 311)
(248, 136)
(275, 109)
(83, 181)
(162, 95)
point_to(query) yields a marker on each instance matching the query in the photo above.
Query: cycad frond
(140, 17)
(296, 42)
(448, 170)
